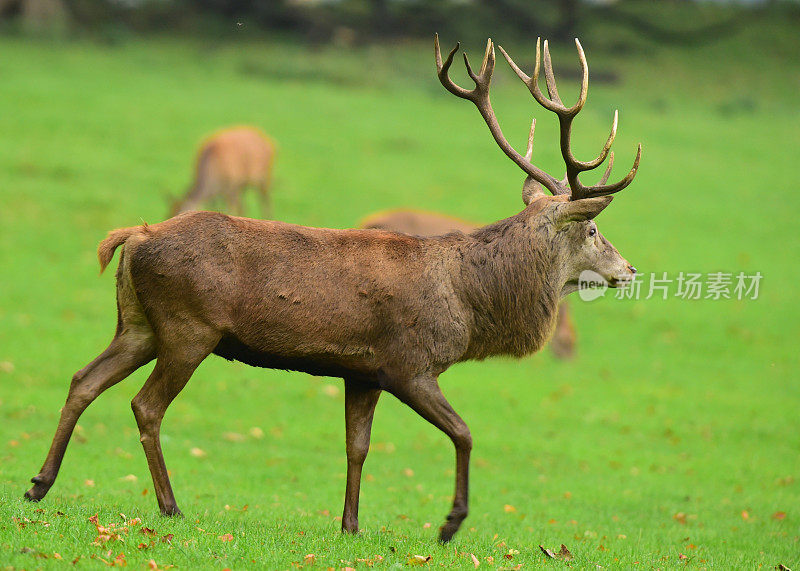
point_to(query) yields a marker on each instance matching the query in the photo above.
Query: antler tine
(442, 70)
(484, 78)
(585, 79)
(580, 166)
(529, 150)
(550, 79)
(486, 57)
(565, 118)
(480, 97)
(533, 82)
(554, 103)
(603, 189)
(604, 178)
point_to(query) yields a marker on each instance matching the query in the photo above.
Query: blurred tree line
(357, 21)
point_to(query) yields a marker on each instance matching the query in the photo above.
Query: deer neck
(512, 283)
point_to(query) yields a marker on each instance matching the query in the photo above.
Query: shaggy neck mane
(510, 279)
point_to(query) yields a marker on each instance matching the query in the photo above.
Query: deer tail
(115, 238)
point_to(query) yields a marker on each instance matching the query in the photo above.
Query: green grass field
(671, 441)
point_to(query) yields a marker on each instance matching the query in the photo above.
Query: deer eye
(592, 231)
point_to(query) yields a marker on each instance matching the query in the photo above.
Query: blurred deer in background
(384, 311)
(422, 223)
(229, 162)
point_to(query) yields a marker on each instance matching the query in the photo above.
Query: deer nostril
(632, 269)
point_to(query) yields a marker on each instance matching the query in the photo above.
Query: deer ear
(531, 190)
(581, 210)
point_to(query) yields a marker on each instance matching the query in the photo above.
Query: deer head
(568, 214)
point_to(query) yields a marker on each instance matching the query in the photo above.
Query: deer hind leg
(233, 199)
(562, 343)
(174, 366)
(264, 199)
(426, 398)
(359, 408)
(129, 350)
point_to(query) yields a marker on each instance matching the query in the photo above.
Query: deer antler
(480, 97)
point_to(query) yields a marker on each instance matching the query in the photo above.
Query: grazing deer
(421, 223)
(382, 310)
(229, 162)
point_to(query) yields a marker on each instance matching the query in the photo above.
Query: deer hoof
(446, 532)
(172, 512)
(35, 494)
(350, 527)
(40, 488)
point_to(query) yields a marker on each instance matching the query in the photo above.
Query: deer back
(417, 222)
(324, 301)
(233, 158)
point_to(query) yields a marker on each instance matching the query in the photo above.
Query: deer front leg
(562, 343)
(426, 398)
(359, 408)
(264, 199)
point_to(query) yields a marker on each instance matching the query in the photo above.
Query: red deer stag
(229, 162)
(384, 311)
(421, 223)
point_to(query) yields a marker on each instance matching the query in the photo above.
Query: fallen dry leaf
(89, 483)
(309, 559)
(256, 432)
(475, 561)
(226, 537)
(681, 556)
(409, 472)
(745, 514)
(233, 437)
(547, 552)
(129, 478)
(779, 515)
(563, 553)
(782, 567)
(509, 508)
(197, 452)
(106, 534)
(418, 560)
